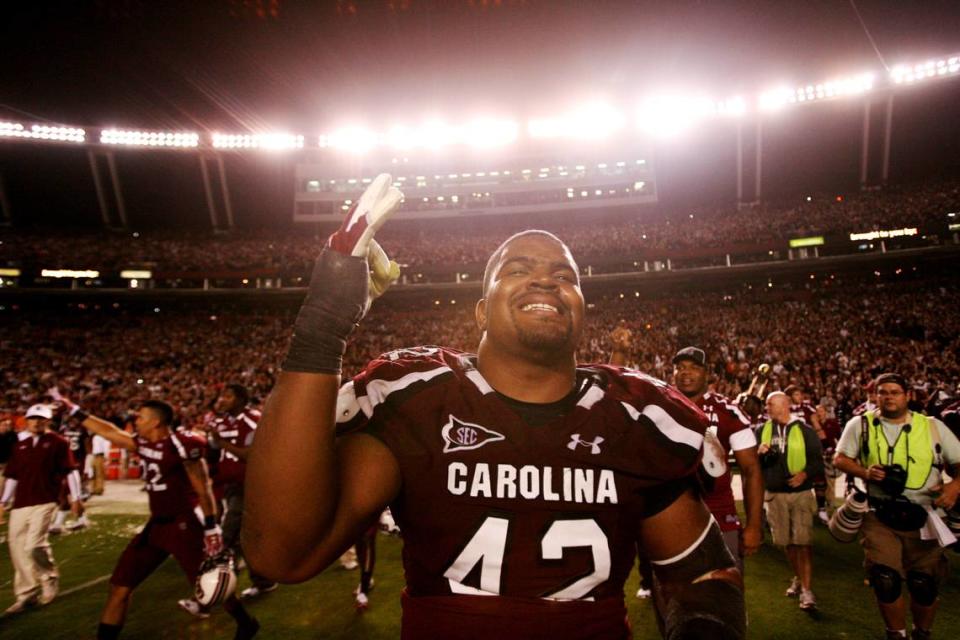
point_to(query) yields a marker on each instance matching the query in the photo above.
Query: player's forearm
(241, 452)
(291, 490)
(107, 430)
(752, 479)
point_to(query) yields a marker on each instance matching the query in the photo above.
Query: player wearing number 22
(522, 482)
(178, 487)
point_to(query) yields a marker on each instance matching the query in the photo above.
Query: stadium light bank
(662, 115)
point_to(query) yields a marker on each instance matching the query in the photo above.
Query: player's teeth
(539, 307)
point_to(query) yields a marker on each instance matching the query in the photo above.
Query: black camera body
(770, 458)
(894, 481)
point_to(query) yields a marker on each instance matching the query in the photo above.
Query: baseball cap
(40, 411)
(693, 354)
(894, 378)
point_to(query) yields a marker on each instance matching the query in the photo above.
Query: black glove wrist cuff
(334, 305)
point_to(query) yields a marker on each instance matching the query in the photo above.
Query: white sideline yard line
(85, 585)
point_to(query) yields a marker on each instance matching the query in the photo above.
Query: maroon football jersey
(732, 430)
(493, 506)
(804, 411)
(77, 436)
(238, 430)
(168, 486)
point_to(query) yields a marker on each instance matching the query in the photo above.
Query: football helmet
(217, 580)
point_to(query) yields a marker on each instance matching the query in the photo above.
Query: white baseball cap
(40, 411)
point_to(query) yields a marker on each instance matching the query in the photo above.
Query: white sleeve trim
(179, 446)
(9, 489)
(743, 439)
(378, 390)
(696, 543)
(665, 423)
(73, 483)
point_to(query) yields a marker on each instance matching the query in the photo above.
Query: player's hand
(365, 218)
(751, 539)
(762, 449)
(59, 398)
(797, 479)
(383, 272)
(340, 287)
(213, 542)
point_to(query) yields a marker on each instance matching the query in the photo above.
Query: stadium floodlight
(42, 132)
(490, 132)
(69, 273)
(276, 141)
(841, 87)
(734, 107)
(907, 74)
(176, 139)
(592, 121)
(352, 139)
(668, 115)
(435, 134)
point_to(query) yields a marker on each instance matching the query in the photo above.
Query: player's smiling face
(690, 378)
(534, 299)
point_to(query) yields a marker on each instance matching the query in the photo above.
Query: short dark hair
(895, 378)
(163, 410)
(238, 390)
(793, 387)
(495, 256)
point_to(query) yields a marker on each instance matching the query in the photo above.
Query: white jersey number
(154, 478)
(488, 544)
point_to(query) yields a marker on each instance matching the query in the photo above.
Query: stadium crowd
(830, 339)
(461, 243)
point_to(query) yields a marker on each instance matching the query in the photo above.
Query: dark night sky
(216, 64)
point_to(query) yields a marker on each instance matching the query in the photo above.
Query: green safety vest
(913, 451)
(796, 448)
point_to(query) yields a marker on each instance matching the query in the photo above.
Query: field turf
(323, 607)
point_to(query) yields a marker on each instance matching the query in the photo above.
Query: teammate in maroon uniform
(521, 482)
(177, 484)
(231, 430)
(731, 430)
(79, 440)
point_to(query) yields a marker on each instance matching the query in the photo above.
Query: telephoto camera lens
(846, 521)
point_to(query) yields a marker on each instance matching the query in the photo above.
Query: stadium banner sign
(10, 273)
(69, 273)
(136, 274)
(812, 241)
(888, 233)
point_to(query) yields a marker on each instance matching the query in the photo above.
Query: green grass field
(323, 607)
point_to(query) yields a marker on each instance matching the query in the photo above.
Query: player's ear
(480, 314)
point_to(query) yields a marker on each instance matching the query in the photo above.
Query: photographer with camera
(791, 457)
(900, 455)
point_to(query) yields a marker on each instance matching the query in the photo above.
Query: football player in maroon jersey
(231, 431)
(731, 429)
(522, 482)
(177, 484)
